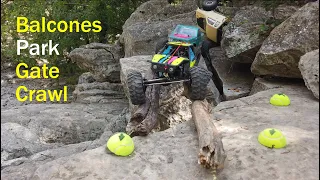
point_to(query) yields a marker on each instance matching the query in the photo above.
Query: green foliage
(266, 27)
(272, 4)
(269, 24)
(111, 13)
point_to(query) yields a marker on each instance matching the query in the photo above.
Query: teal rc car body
(188, 34)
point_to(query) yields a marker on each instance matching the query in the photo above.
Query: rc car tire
(136, 88)
(199, 79)
(209, 5)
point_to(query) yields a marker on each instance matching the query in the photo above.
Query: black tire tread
(199, 80)
(213, 5)
(136, 88)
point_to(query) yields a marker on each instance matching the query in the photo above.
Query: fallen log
(211, 153)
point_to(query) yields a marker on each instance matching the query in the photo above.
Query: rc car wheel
(136, 88)
(199, 78)
(209, 5)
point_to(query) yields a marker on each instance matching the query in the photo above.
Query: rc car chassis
(175, 62)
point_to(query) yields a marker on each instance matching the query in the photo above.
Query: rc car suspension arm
(162, 81)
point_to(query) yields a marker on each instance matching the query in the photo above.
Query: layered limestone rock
(250, 26)
(280, 53)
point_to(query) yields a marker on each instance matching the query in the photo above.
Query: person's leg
(205, 47)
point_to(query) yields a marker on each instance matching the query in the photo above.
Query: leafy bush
(112, 14)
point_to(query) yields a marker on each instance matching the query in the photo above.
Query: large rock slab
(23, 168)
(70, 149)
(102, 60)
(179, 10)
(240, 122)
(152, 22)
(263, 84)
(141, 38)
(150, 160)
(145, 11)
(45, 156)
(280, 53)
(243, 36)
(23, 171)
(65, 123)
(18, 141)
(309, 67)
(99, 92)
(235, 78)
(159, 10)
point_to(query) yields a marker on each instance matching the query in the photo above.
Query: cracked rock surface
(239, 122)
(280, 53)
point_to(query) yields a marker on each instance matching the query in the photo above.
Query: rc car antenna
(174, 53)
